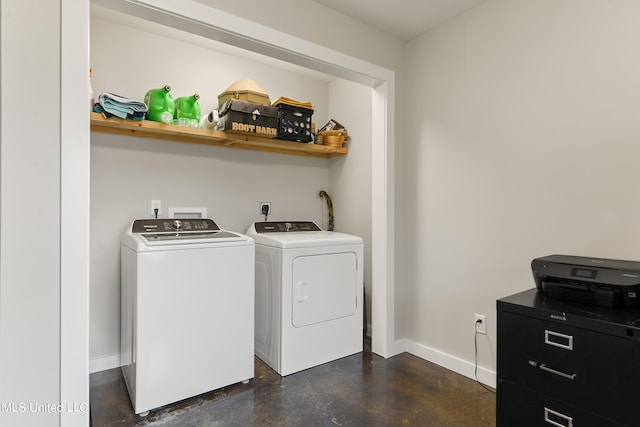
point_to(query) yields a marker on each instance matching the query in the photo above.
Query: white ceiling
(402, 19)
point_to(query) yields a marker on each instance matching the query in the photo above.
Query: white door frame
(74, 208)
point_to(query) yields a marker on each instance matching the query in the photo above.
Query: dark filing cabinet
(566, 364)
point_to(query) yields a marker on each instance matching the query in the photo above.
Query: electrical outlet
(156, 204)
(481, 324)
(265, 208)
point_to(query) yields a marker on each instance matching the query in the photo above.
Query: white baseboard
(448, 361)
(103, 363)
(422, 351)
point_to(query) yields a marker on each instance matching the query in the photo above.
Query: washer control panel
(173, 225)
(285, 226)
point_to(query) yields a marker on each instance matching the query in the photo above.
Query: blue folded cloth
(97, 108)
(119, 106)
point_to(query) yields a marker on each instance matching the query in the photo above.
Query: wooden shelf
(150, 129)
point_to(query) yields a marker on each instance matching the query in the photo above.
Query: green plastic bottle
(188, 107)
(161, 104)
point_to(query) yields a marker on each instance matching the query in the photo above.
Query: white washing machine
(187, 309)
(309, 295)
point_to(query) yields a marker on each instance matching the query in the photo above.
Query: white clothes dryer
(187, 310)
(309, 294)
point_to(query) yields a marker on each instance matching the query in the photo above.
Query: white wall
(127, 172)
(29, 310)
(351, 103)
(44, 213)
(525, 130)
(312, 21)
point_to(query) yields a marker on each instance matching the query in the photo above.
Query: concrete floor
(359, 390)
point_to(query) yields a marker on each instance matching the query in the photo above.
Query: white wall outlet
(481, 324)
(156, 204)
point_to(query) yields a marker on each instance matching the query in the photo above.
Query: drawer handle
(547, 419)
(556, 372)
(558, 340)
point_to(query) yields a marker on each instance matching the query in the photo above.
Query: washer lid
(162, 232)
(188, 237)
(299, 236)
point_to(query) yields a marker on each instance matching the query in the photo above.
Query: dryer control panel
(285, 226)
(173, 225)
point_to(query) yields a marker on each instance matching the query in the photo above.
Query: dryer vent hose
(329, 208)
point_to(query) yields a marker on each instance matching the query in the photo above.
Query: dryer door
(324, 288)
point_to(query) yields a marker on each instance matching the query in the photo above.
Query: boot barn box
(248, 117)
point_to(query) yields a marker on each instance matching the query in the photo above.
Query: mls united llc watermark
(33, 407)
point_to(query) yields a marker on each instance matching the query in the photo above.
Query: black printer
(597, 281)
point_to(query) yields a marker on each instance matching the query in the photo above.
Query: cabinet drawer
(589, 370)
(518, 407)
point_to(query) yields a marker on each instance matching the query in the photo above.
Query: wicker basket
(334, 138)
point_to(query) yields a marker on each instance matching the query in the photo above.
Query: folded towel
(120, 106)
(138, 115)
